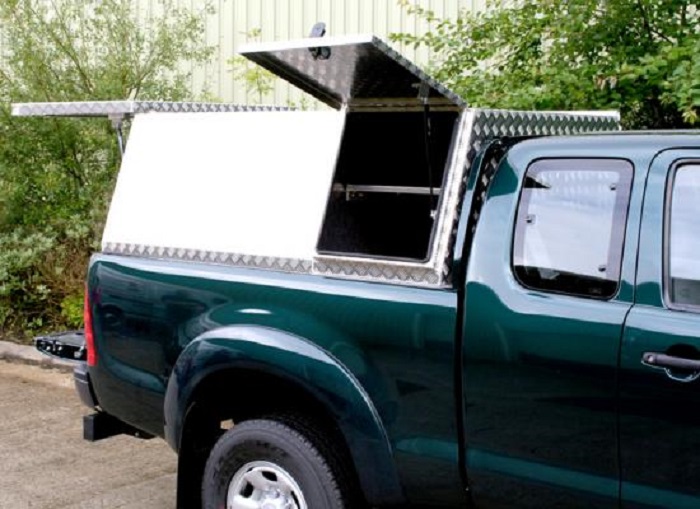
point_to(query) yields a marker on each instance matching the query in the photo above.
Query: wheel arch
(290, 369)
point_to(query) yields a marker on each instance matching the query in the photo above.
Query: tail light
(89, 332)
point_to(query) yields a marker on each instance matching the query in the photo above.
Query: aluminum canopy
(233, 185)
(124, 108)
(118, 111)
(358, 71)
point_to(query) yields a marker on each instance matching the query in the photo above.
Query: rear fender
(313, 369)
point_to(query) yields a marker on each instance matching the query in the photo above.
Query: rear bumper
(99, 425)
(83, 385)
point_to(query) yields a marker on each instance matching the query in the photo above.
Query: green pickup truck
(398, 301)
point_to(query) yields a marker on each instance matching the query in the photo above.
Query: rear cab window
(682, 246)
(570, 226)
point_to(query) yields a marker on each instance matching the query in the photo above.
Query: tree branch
(651, 33)
(87, 83)
(645, 20)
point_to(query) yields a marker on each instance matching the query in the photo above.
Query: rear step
(101, 425)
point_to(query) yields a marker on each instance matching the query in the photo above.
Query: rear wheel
(268, 464)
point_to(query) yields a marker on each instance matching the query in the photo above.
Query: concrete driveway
(44, 463)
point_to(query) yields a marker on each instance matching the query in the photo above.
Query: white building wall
(291, 19)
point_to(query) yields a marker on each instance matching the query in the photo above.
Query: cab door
(547, 293)
(660, 356)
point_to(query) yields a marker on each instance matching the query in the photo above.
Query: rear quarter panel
(397, 342)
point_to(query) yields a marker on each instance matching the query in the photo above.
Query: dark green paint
(540, 370)
(392, 350)
(542, 417)
(659, 421)
(297, 361)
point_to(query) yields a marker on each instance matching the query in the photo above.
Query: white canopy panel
(259, 186)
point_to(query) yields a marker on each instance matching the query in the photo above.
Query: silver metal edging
(126, 109)
(374, 270)
(448, 215)
(293, 265)
(352, 188)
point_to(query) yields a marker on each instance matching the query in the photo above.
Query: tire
(258, 461)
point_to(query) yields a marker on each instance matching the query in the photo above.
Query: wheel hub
(264, 485)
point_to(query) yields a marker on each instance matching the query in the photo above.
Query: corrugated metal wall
(290, 19)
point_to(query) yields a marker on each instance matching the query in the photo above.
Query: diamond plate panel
(125, 108)
(490, 123)
(449, 213)
(293, 265)
(377, 270)
(356, 70)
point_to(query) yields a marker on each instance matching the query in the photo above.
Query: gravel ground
(45, 463)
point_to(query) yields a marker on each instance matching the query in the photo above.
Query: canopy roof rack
(118, 111)
(125, 109)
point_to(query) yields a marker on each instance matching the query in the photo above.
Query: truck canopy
(370, 191)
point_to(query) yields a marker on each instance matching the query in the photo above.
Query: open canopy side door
(354, 71)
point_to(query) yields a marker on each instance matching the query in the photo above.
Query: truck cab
(569, 384)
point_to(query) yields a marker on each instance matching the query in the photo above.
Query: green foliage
(22, 290)
(258, 81)
(72, 310)
(56, 176)
(639, 56)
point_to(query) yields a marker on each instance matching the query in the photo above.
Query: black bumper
(100, 424)
(83, 385)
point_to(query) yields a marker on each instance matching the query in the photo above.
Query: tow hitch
(68, 345)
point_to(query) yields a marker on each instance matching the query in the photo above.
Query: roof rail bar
(119, 111)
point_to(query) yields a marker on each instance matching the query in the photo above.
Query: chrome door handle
(672, 365)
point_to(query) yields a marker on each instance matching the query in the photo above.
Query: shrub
(56, 175)
(639, 56)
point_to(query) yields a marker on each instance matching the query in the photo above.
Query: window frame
(622, 166)
(666, 250)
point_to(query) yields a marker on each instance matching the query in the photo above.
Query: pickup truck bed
(374, 354)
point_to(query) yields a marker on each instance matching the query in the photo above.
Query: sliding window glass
(683, 240)
(570, 226)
